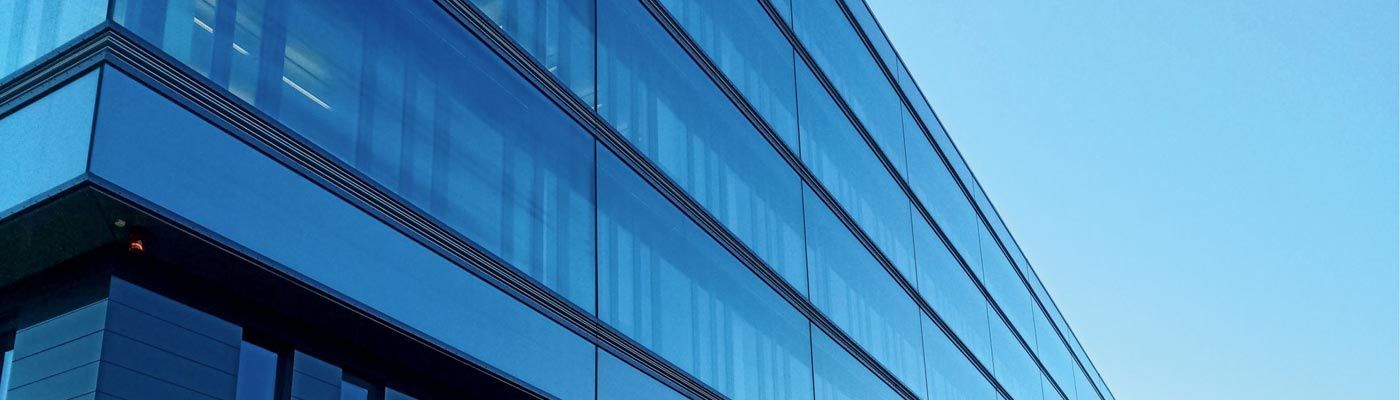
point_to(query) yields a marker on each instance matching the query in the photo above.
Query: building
(577, 199)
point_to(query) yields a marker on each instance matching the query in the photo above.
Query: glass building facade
(575, 199)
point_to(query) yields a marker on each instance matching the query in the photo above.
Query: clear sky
(1208, 188)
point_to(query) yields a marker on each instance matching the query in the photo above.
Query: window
(667, 284)
(655, 95)
(423, 109)
(257, 373)
(352, 388)
(7, 345)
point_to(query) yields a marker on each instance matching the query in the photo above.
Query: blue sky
(1208, 188)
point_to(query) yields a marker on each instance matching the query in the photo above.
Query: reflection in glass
(400, 92)
(950, 374)
(743, 42)
(157, 150)
(861, 297)
(951, 292)
(840, 377)
(839, 52)
(619, 381)
(559, 34)
(350, 390)
(6, 362)
(849, 169)
(257, 373)
(29, 29)
(669, 286)
(655, 95)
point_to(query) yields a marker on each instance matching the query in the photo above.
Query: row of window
(396, 104)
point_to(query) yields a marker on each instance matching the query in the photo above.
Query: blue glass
(655, 95)
(948, 289)
(178, 162)
(861, 298)
(391, 394)
(1013, 367)
(558, 34)
(257, 373)
(934, 186)
(422, 108)
(45, 143)
(1006, 287)
(1053, 354)
(30, 29)
(836, 47)
(867, 24)
(840, 377)
(741, 39)
(352, 391)
(619, 381)
(848, 168)
(7, 360)
(784, 8)
(950, 374)
(669, 286)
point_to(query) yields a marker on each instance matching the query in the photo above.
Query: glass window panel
(1013, 367)
(877, 39)
(176, 161)
(619, 381)
(7, 360)
(1053, 354)
(839, 52)
(353, 391)
(952, 293)
(669, 286)
(30, 29)
(655, 95)
(838, 156)
(741, 39)
(257, 373)
(391, 394)
(1007, 288)
(45, 143)
(933, 184)
(840, 377)
(559, 34)
(861, 298)
(951, 375)
(422, 108)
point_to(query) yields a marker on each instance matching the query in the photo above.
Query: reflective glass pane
(741, 39)
(619, 381)
(837, 155)
(933, 184)
(861, 297)
(45, 143)
(655, 95)
(257, 373)
(353, 391)
(1054, 355)
(950, 374)
(1006, 288)
(1013, 367)
(839, 52)
(403, 94)
(29, 29)
(177, 161)
(391, 394)
(6, 361)
(946, 286)
(672, 288)
(559, 34)
(840, 377)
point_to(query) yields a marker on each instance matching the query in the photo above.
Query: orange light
(136, 247)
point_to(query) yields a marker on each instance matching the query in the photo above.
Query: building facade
(575, 199)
